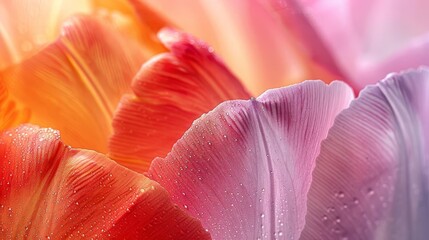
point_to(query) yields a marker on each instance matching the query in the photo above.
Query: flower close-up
(226, 119)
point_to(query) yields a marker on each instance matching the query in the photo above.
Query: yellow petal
(27, 25)
(141, 25)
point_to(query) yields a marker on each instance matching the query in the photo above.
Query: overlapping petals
(244, 169)
(302, 162)
(49, 190)
(371, 179)
(170, 92)
(252, 39)
(75, 84)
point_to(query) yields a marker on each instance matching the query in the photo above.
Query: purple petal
(244, 169)
(371, 178)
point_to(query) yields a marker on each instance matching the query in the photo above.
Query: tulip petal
(27, 25)
(249, 36)
(371, 33)
(75, 84)
(296, 20)
(11, 113)
(244, 168)
(371, 179)
(141, 25)
(171, 91)
(49, 190)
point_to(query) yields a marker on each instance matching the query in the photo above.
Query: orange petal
(27, 25)
(171, 91)
(49, 190)
(11, 113)
(75, 83)
(143, 28)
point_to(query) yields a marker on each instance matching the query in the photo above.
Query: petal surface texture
(170, 92)
(244, 168)
(75, 84)
(27, 25)
(49, 190)
(376, 37)
(250, 36)
(371, 179)
(11, 113)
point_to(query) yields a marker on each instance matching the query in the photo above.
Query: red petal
(49, 190)
(171, 91)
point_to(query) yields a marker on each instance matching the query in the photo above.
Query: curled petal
(371, 179)
(170, 92)
(244, 168)
(75, 83)
(49, 190)
(251, 37)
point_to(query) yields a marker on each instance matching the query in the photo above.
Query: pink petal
(295, 19)
(171, 91)
(250, 36)
(244, 168)
(364, 36)
(371, 179)
(49, 190)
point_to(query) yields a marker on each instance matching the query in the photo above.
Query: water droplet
(370, 192)
(356, 201)
(330, 209)
(325, 218)
(262, 215)
(280, 233)
(185, 206)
